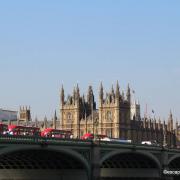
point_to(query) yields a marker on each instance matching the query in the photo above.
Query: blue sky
(44, 44)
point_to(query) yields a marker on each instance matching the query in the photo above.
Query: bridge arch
(174, 162)
(128, 163)
(12, 158)
(120, 152)
(177, 156)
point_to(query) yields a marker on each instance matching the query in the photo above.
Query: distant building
(8, 115)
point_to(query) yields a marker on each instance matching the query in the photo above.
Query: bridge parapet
(41, 140)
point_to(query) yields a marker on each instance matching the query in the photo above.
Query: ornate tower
(114, 113)
(110, 108)
(70, 112)
(24, 114)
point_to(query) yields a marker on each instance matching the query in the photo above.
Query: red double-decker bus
(92, 136)
(3, 128)
(56, 133)
(23, 130)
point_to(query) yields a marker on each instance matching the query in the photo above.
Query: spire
(117, 90)
(83, 99)
(45, 122)
(128, 94)
(77, 91)
(112, 94)
(55, 116)
(62, 95)
(112, 90)
(159, 123)
(123, 95)
(101, 93)
(90, 95)
(54, 120)
(144, 123)
(164, 126)
(154, 124)
(36, 122)
(170, 121)
(74, 95)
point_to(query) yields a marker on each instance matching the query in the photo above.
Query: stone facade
(116, 117)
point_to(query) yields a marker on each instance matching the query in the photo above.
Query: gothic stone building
(116, 117)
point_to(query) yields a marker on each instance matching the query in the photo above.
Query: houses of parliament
(117, 116)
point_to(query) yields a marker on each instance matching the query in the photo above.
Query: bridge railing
(40, 140)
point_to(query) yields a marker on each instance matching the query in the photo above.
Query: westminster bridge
(37, 158)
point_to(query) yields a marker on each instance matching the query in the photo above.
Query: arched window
(109, 116)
